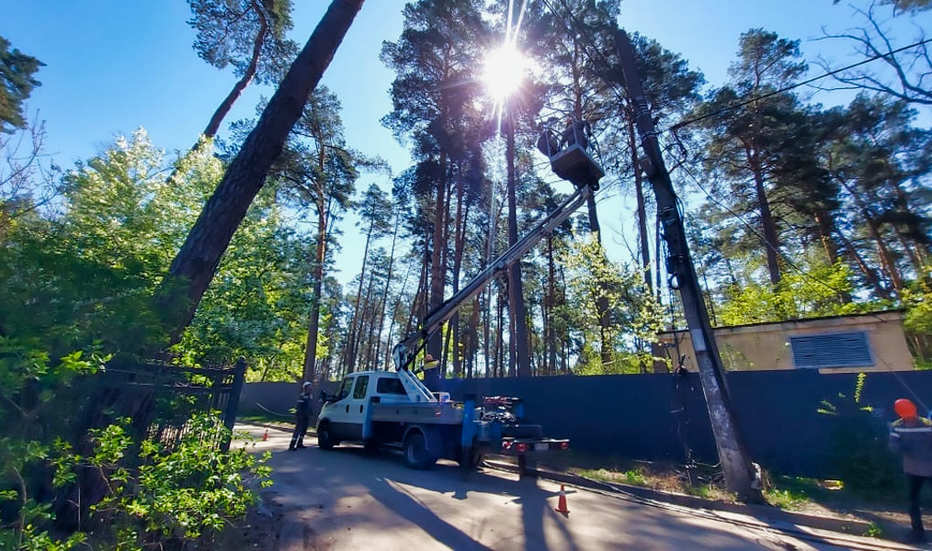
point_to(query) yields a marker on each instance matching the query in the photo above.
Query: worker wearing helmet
(911, 435)
(302, 416)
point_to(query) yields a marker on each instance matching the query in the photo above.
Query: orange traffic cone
(266, 435)
(561, 503)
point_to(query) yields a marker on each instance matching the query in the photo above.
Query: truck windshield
(362, 383)
(345, 387)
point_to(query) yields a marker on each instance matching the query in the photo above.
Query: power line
(585, 39)
(759, 235)
(740, 104)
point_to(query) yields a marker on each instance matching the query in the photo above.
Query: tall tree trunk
(870, 274)
(886, 259)
(551, 302)
(459, 238)
(502, 300)
(214, 125)
(489, 249)
(826, 227)
(473, 338)
(517, 308)
(657, 248)
(388, 280)
(393, 314)
(435, 344)
(310, 349)
(910, 252)
(350, 357)
(769, 227)
(873, 228)
(641, 205)
(601, 304)
(196, 262)
(368, 322)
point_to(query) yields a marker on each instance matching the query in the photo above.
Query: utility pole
(740, 473)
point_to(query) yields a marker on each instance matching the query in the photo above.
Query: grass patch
(703, 490)
(658, 477)
(635, 477)
(786, 499)
(874, 531)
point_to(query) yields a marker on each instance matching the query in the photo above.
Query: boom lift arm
(571, 163)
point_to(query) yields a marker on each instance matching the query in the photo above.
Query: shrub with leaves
(859, 443)
(167, 498)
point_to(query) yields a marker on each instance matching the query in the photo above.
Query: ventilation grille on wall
(834, 350)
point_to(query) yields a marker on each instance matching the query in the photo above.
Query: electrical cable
(267, 410)
(790, 87)
(740, 103)
(759, 235)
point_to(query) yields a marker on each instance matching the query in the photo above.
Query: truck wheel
(416, 454)
(325, 440)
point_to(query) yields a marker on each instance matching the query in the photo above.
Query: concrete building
(833, 344)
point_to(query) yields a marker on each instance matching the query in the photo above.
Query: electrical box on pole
(741, 474)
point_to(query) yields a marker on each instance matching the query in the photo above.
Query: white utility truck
(383, 408)
(395, 409)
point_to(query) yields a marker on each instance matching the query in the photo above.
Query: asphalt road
(348, 499)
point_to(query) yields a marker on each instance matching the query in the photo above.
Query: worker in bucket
(302, 416)
(911, 436)
(430, 362)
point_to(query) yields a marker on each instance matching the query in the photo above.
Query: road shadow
(325, 479)
(536, 503)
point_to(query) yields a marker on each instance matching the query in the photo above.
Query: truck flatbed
(444, 413)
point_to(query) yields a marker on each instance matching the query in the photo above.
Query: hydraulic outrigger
(568, 160)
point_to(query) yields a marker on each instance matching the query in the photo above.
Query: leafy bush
(859, 444)
(165, 498)
(150, 494)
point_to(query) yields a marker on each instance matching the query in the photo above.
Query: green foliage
(819, 291)
(36, 404)
(187, 494)
(633, 312)
(153, 496)
(786, 498)
(16, 83)
(859, 443)
(80, 283)
(228, 32)
(918, 302)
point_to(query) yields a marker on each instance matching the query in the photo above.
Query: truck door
(356, 408)
(338, 411)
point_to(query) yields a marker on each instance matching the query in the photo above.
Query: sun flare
(503, 72)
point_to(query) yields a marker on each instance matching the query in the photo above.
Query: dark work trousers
(297, 439)
(915, 516)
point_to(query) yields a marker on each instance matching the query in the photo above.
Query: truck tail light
(521, 447)
(506, 445)
(564, 445)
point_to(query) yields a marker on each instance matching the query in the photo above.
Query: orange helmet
(905, 408)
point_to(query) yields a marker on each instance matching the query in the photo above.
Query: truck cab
(346, 412)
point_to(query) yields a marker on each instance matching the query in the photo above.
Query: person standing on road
(911, 436)
(302, 416)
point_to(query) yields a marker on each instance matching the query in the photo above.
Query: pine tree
(247, 34)
(196, 262)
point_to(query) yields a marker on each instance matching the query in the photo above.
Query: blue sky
(113, 66)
